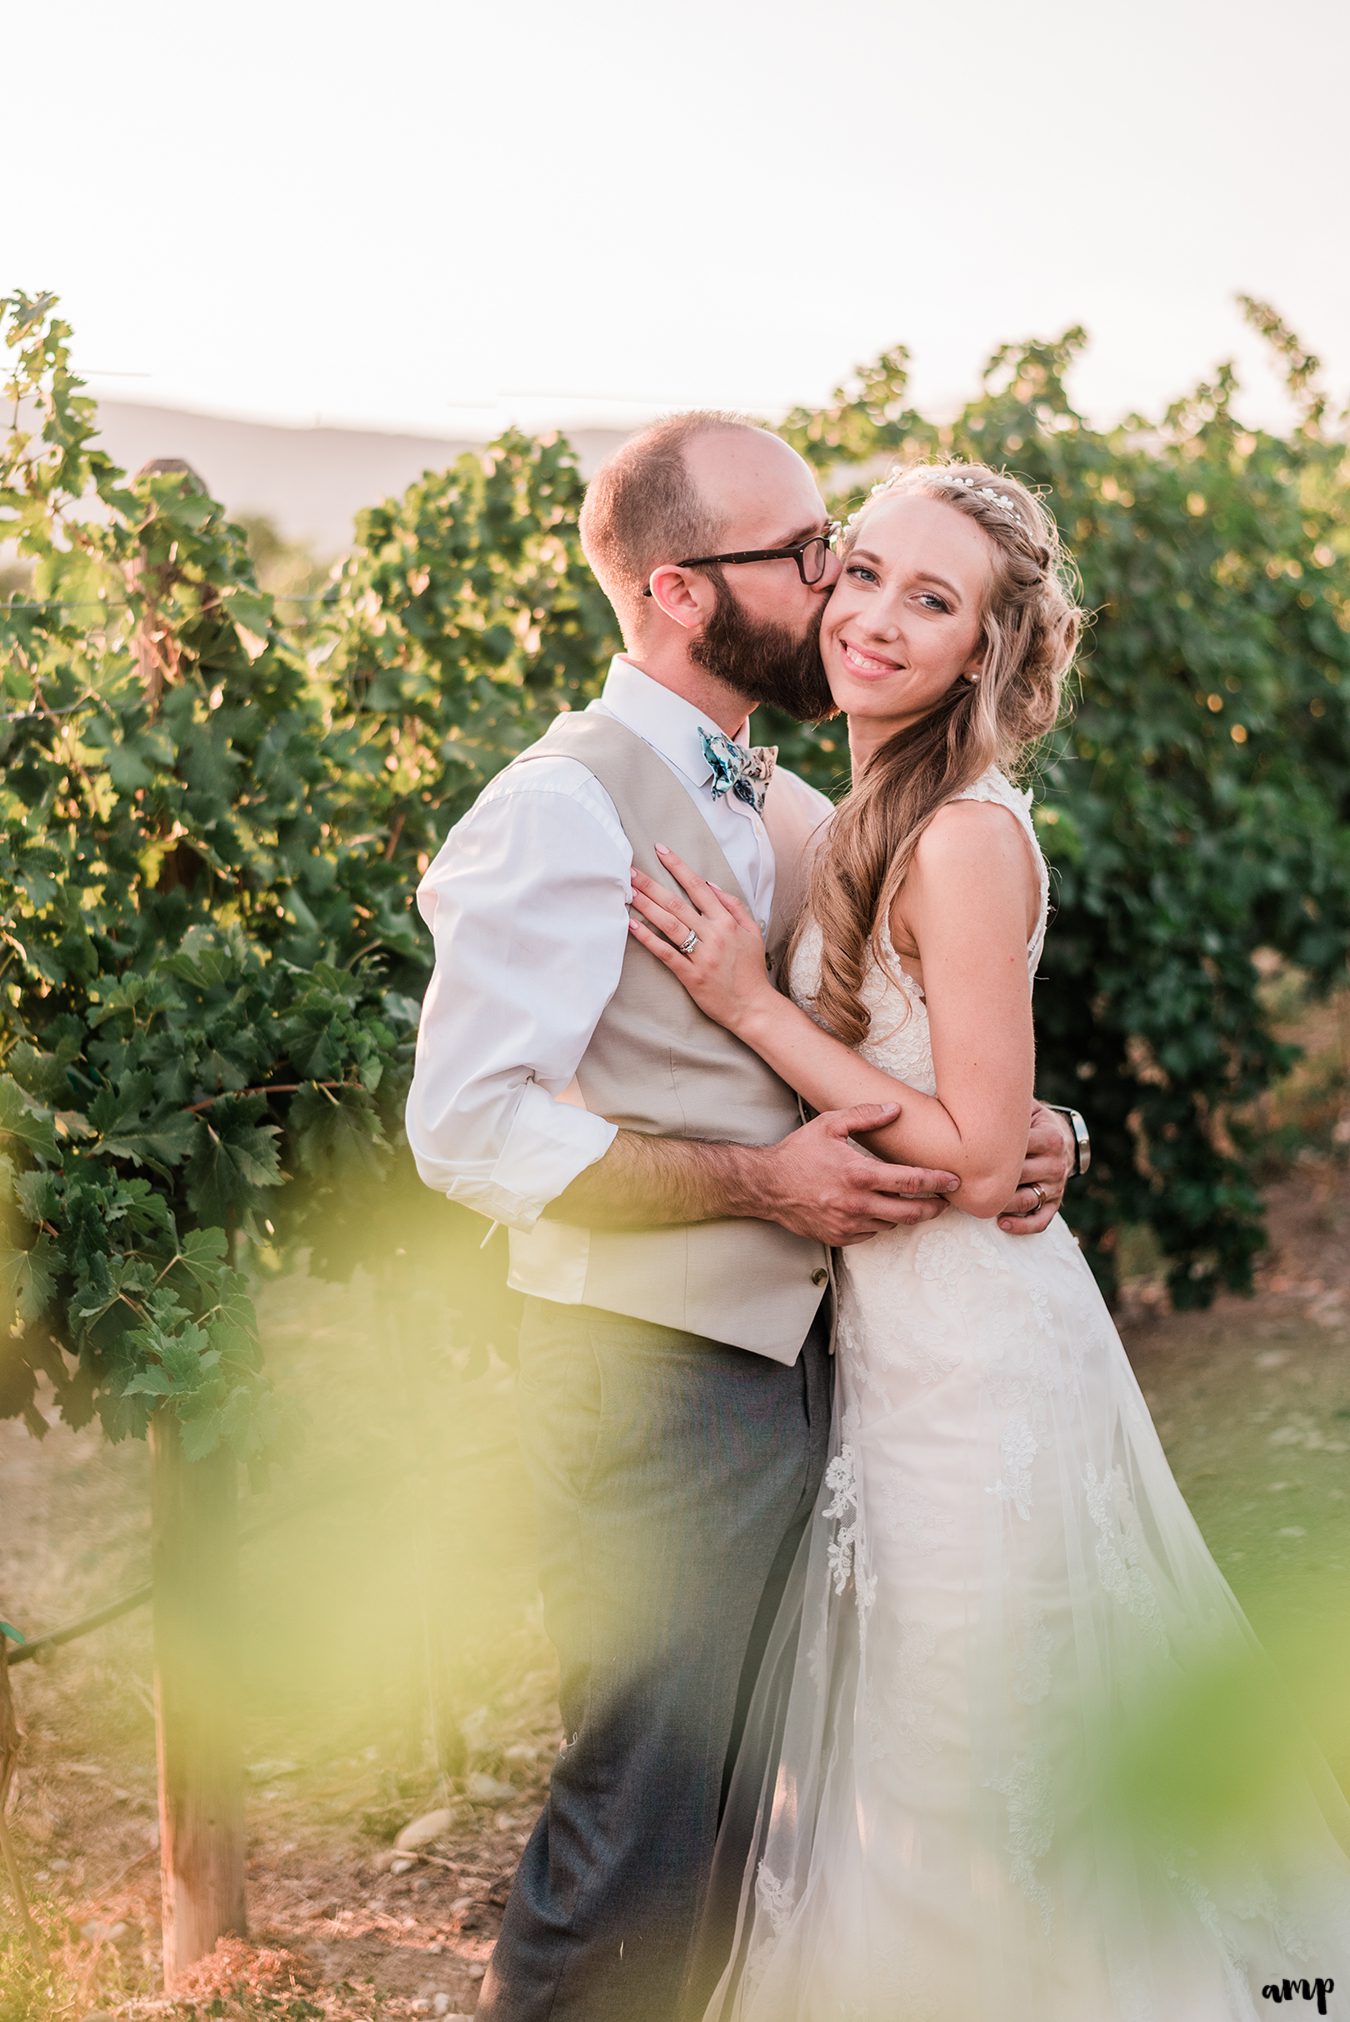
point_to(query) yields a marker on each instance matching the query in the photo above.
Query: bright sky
(431, 214)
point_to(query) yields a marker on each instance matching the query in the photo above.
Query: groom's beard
(765, 662)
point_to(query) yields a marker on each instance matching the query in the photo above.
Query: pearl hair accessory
(987, 491)
(950, 477)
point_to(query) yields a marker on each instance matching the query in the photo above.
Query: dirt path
(394, 1659)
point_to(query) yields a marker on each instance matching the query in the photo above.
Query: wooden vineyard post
(194, 1549)
(10, 1740)
(195, 1561)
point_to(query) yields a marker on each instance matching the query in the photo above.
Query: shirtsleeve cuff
(548, 1144)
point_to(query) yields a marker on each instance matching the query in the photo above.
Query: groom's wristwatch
(1082, 1143)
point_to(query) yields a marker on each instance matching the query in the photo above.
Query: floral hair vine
(949, 477)
(987, 491)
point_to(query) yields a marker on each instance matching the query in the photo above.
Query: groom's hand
(1040, 1190)
(818, 1182)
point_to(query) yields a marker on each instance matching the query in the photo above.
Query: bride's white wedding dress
(1001, 1569)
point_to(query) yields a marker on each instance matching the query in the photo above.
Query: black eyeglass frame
(794, 553)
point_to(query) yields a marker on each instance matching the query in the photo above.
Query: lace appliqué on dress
(844, 1511)
(1017, 1450)
(1120, 1551)
(1025, 1786)
(774, 1898)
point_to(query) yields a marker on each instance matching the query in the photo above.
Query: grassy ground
(394, 1661)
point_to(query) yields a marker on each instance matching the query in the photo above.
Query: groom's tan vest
(657, 1064)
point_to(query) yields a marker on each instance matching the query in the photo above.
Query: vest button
(820, 1276)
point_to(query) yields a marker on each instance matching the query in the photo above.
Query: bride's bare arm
(967, 899)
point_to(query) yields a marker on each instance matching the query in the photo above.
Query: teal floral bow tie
(736, 770)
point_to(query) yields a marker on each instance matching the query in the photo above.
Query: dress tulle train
(1004, 1589)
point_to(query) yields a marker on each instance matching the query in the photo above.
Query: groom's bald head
(663, 495)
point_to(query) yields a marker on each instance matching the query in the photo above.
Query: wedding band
(688, 945)
(1039, 1192)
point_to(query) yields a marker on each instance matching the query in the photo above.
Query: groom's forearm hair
(645, 1182)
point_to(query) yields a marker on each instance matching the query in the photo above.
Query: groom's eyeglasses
(810, 555)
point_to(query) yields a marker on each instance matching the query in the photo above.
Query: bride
(1003, 1575)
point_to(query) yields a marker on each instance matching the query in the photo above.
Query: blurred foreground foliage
(212, 821)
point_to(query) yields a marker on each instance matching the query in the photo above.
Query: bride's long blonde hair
(1029, 631)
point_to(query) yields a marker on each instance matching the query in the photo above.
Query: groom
(671, 1217)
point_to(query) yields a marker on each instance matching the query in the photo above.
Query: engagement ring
(688, 945)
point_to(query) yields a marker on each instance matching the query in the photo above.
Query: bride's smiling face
(903, 621)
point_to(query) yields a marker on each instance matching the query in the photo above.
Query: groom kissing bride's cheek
(831, 1465)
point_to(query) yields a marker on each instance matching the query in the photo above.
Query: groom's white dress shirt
(527, 906)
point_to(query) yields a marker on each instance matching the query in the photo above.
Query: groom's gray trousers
(672, 1479)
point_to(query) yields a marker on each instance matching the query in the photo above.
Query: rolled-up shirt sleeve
(527, 903)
